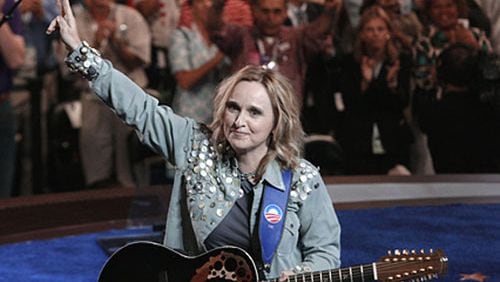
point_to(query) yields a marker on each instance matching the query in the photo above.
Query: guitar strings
(355, 271)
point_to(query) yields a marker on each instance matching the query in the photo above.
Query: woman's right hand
(66, 24)
(367, 65)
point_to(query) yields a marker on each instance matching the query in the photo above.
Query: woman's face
(249, 119)
(444, 13)
(375, 34)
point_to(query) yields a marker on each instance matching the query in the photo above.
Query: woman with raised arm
(241, 180)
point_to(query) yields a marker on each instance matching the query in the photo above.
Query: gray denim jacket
(207, 185)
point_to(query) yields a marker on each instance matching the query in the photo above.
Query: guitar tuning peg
(389, 252)
(397, 252)
(422, 251)
(413, 252)
(405, 252)
(431, 251)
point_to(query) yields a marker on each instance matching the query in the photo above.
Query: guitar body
(152, 262)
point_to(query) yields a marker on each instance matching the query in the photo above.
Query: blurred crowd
(389, 87)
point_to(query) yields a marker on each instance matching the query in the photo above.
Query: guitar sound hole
(230, 264)
(225, 267)
(218, 265)
(241, 272)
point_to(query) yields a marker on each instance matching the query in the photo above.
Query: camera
(475, 70)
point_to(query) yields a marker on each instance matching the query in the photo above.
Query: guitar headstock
(411, 265)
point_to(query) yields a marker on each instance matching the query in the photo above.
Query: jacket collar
(272, 175)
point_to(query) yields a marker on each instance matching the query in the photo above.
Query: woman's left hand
(66, 24)
(392, 75)
(285, 274)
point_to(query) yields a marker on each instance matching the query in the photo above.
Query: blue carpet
(71, 258)
(469, 234)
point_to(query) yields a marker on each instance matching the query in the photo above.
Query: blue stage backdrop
(469, 234)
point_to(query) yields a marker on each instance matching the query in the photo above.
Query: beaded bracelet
(85, 60)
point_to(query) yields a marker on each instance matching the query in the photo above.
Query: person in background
(234, 11)
(36, 15)
(447, 25)
(446, 22)
(371, 92)
(492, 10)
(269, 42)
(407, 30)
(197, 64)
(235, 178)
(162, 17)
(462, 129)
(121, 34)
(12, 48)
(407, 26)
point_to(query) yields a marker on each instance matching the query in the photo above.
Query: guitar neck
(361, 273)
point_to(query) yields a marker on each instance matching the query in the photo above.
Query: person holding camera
(462, 130)
(448, 25)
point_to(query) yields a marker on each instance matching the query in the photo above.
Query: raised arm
(325, 22)
(66, 24)
(158, 127)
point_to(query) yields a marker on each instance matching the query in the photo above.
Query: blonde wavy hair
(287, 137)
(370, 13)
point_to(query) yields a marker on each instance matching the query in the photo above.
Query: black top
(353, 124)
(234, 229)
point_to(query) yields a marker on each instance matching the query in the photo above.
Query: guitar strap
(272, 218)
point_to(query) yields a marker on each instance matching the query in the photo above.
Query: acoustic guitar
(151, 262)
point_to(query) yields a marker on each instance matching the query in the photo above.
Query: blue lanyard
(272, 218)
